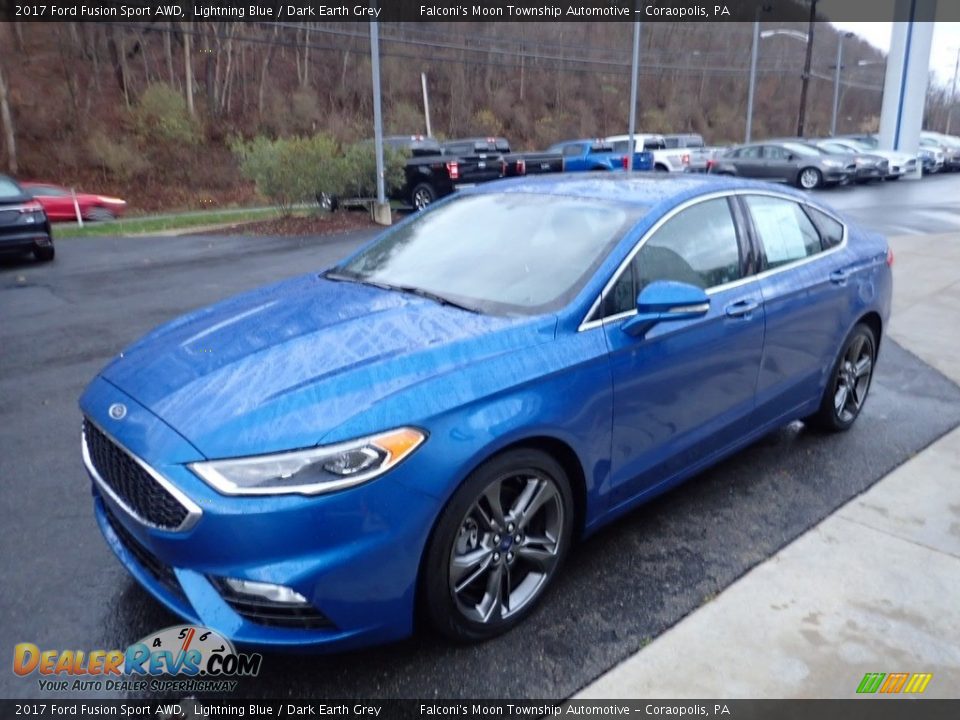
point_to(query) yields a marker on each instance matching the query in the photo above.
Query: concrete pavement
(875, 587)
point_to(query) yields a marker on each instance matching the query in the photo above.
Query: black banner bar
(460, 10)
(872, 708)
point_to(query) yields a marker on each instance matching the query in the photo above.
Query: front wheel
(810, 178)
(849, 382)
(422, 195)
(498, 545)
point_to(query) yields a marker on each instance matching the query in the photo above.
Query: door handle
(839, 277)
(741, 308)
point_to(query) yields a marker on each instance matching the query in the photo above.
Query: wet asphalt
(62, 588)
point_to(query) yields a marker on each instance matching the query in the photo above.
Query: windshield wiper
(351, 276)
(420, 292)
(354, 277)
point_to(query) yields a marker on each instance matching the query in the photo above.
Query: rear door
(749, 161)
(806, 296)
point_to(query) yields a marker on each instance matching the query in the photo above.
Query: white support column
(908, 65)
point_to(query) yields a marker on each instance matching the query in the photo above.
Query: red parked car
(58, 203)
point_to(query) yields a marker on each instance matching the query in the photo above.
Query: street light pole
(836, 82)
(634, 72)
(382, 209)
(953, 92)
(753, 76)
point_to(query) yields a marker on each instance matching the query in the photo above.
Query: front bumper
(838, 175)
(354, 555)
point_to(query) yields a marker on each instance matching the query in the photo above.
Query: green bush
(291, 170)
(359, 175)
(161, 117)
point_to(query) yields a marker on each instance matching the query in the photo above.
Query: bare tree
(6, 117)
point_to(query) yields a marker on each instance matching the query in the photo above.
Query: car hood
(280, 367)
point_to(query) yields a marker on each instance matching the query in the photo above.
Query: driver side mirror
(666, 301)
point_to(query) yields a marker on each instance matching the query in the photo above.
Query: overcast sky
(943, 52)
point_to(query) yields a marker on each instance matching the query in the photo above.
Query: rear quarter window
(831, 230)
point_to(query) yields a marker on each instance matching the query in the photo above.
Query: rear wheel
(849, 382)
(100, 214)
(498, 545)
(810, 178)
(44, 254)
(422, 195)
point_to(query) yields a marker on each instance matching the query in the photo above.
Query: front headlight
(311, 472)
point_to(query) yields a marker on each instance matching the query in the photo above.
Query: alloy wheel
(809, 179)
(507, 546)
(853, 379)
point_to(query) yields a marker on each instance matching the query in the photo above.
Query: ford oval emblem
(118, 411)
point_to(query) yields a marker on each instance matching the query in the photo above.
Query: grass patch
(144, 225)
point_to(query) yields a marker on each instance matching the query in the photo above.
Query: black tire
(100, 214)
(44, 254)
(422, 195)
(847, 373)
(328, 202)
(894, 177)
(467, 529)
(816, 178)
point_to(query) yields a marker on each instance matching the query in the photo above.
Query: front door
(685, 390)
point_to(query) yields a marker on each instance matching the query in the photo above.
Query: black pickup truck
(430, 174)
(515, 163)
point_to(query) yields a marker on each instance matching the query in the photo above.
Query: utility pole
(634, 72)
(953, 92)
(801, 118)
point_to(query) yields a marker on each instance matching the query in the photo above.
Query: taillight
(31, 207)
(889, 257)
(521, 167)
(453, 168)
(685, 159)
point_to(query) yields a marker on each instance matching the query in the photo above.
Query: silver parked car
(790, 162)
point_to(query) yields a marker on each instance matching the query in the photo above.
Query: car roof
(644, 189)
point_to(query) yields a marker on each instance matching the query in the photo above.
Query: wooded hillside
(146, 110)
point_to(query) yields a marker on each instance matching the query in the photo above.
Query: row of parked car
(436, 169)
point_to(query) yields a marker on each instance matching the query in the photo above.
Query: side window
(752, 151)
(785, 230)
(698, 246)
(831, 231)
(571, 150)
(773, 152)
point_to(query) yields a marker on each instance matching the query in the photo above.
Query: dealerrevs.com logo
(200, 659)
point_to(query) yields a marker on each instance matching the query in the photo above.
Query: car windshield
(803, 150)
(9, 189)
(506, 253)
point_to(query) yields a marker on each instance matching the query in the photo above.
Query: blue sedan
(425, 428)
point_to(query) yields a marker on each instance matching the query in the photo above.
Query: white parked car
(899, 163)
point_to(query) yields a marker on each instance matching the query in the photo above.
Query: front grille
(160, 571)
(272, 614)
(136, 488)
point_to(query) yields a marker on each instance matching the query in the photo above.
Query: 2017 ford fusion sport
(423, 429)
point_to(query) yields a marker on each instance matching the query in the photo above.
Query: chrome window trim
(588, 324)
(193, 510)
